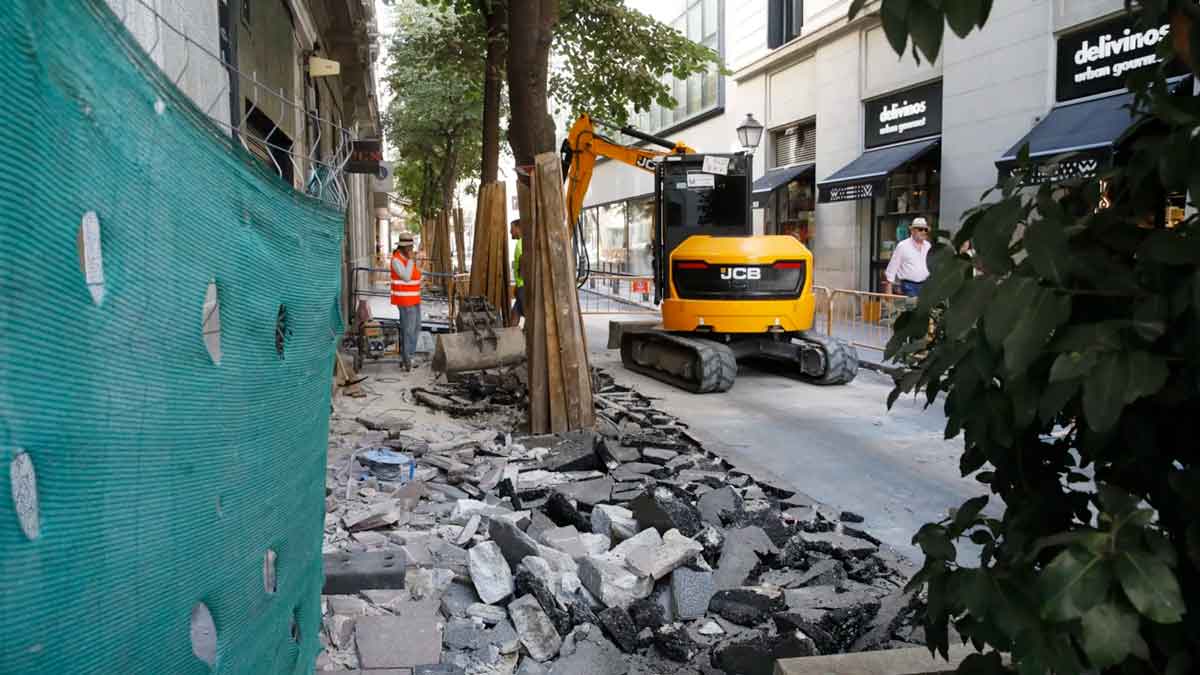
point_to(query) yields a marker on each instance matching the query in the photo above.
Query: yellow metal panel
(741, 316)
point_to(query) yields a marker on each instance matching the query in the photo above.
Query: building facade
(247, 65)
(859, 141)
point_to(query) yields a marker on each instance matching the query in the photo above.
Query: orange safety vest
(405, 293)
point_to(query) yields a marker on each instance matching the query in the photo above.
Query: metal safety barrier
(861, 318)
(607, 293)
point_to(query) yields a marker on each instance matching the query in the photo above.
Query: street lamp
(750, 133)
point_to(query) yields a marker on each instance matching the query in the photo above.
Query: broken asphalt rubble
(627, 550)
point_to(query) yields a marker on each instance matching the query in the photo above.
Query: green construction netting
(162, 478)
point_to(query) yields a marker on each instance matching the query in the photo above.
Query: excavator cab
(692, 201)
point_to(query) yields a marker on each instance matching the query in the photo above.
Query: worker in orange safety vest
(406, 296)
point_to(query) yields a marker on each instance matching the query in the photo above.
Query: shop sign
(904, 116)
(365, 157)
(1097, 59)
(847, 192)
(641, 286)
(1073, 167)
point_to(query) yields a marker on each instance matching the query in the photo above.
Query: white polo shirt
(908, 262)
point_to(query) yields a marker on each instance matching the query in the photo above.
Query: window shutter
(795, 145)
(775, 23)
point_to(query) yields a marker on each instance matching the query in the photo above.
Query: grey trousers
(410, 329)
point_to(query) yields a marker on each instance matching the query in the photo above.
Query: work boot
(407, 366)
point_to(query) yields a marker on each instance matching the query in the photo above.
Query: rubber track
(841, 359)
(718, 365)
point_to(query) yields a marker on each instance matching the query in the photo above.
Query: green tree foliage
(613, 60)
(1068, 351)
(435, 72)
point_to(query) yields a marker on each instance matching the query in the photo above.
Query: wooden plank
(555, 387)
(460, 240)
(576, 372)
(539, 403)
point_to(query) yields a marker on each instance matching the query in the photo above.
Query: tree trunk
(531, 32)
(493, 80)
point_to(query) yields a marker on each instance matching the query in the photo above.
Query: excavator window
(694, 199)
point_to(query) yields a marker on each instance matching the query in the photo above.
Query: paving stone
(756, 655)
(619, 625)
(613, 584)
(490, 572)
(397, 641)
(547, 595)
(627, 492)
(747, 606)
(565, 539)
(658, 455)
(838, 545)
(504, 637)
(432, 583)
(648, 537)
(634, 471)
(612, 450)
(560, 510)
(659, 561)
(534, 628)
(590, 492)
(538, 523)
(430, 669)
(572, 456)
(666, 508)
(513, 543)
(851, 517)
(615, 522)
(586, 652)
(530, 667)
(740, 555)
(712, 504)
(595, 544)
(346, 604)
(463, 634)
(823, 573)
(457, 599)
(681, 463)
(691, 591)
(710, 628)
(560, 562)
(674, 642)
(489, 614)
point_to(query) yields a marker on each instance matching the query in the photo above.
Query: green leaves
(1046, 244)
(1072, 365)
(1151, 586)
(894, 15)
(994, 234)
(925, 24)
(935, 542)
(967, 305)
(1104, 392)
(1045, 311)
(1110, 635)
(1007, 305)
(1072, 584)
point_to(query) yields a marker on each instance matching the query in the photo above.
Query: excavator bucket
(482, 342)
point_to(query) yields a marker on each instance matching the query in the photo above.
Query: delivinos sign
(1097, 59)
(905, 115)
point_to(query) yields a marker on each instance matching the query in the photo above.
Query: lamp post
(750, 134)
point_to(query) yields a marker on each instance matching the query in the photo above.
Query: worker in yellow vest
(518, 308)
(406, 296)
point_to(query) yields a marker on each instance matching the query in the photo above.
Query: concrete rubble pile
(626, 550)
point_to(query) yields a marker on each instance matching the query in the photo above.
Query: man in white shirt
(907, 269)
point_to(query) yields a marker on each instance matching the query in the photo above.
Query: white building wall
(201, 77)
(998, 84)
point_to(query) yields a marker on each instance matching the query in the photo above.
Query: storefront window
(614, 243)
(591, 235)
(641, 233)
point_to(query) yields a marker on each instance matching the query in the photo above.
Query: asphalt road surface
(839, 445)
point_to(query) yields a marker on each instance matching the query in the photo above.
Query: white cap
(920, 221)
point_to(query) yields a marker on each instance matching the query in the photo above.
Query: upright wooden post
(560, 380)
(460, 240)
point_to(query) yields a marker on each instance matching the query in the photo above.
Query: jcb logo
(645, 163)
(741, 273)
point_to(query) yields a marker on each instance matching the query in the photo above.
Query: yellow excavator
(725, 294)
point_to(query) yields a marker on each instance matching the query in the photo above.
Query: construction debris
(632, 550)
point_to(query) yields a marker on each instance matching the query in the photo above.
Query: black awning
(768, 182)
(861, 178)
(1073, 141)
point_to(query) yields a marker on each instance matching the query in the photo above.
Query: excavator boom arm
(583, 146)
